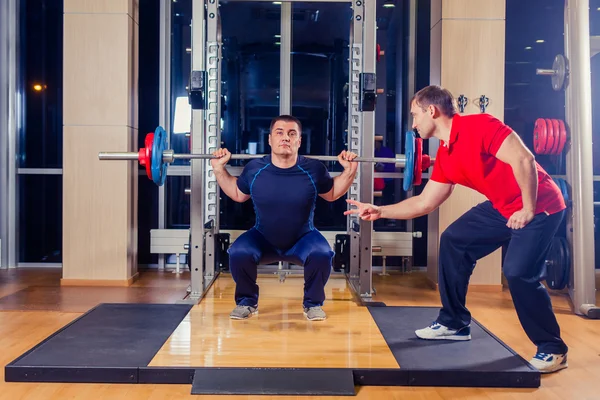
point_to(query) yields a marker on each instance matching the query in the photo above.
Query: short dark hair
(436, 96)
(285, 118)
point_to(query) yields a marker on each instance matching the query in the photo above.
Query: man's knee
(449, 237)
(322, 256)
(521, 272)
(240, 255)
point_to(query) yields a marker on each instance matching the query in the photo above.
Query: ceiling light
(540, 41)
(528, 48)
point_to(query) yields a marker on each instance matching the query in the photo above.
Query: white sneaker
(436, 331)
(546, 363)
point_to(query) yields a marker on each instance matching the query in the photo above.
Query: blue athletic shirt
(284, 198)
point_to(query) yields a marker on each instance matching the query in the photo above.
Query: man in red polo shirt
(524, 210)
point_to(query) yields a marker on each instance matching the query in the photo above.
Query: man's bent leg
(524, 269)
(477, 233)
(314, 253)
(244, 255)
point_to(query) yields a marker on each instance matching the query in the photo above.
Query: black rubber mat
(482, 361)
(272, 381)
(116, 337)
(114, 343)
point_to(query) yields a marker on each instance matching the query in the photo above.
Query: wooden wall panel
(98, 209)
(100, 103)
(130, 7)
(474, 9)
(478, 69)
(467, 57)
(96, 69)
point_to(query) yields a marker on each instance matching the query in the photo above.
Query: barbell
(155, 157)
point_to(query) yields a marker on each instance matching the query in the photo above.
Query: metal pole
(435, 76)
(580, 227)
(355, 68)
(285, 57)
(5, 134)
(411, 80)
(167, 157)
(368, 146)
(164, 98)
(546, 72)
(13, 113)
(197, 166)
(213, 135)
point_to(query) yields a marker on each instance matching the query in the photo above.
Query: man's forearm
(227, 183)
(341, 184)
(527, 179)
(412, 207)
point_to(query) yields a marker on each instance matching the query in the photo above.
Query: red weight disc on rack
(556, 130)
(563, 136)
(539, 136)
(550, 135)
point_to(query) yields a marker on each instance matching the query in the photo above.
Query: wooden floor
(279, 335)
(50, 307)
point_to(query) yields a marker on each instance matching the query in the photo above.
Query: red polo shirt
(469, 160)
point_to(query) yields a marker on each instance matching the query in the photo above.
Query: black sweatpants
(479, 232)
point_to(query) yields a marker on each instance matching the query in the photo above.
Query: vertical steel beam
(285, 57)
(197, 218)
(367, 149)
(213, 131)
(580, 225)
(355, 69)
(164, 98)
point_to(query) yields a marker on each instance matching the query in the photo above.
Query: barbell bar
(155, 157)
(169, 156)
(559, 72)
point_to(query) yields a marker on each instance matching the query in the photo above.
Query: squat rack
(204, 94)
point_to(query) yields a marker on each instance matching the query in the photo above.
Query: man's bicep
(513, 150)
(327, 196)
(241, 196)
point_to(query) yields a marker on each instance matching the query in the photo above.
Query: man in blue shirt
(284, 187)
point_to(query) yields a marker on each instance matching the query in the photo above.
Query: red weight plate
(563, 136)
(418, 172)
(148, 142)
(539, 136)
(378, 54)
(556, 129)
(426, 162)
(550, 136)
(142, 156)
